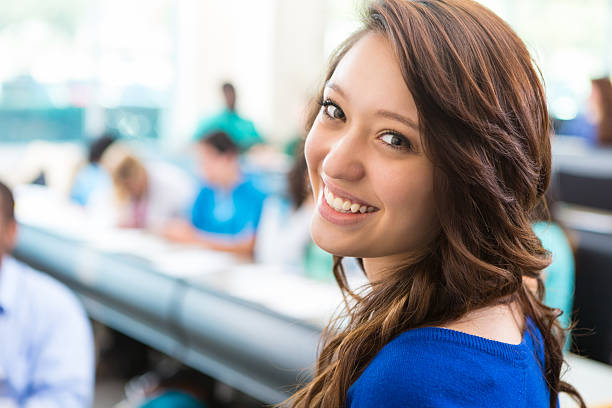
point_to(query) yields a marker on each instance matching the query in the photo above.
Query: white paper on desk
(283, 292)
(130, 241)
(192, 262)
(42, 207)
(174, 260)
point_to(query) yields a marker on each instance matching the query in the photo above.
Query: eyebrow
(396, 116)
(335, 87)
(385, 113)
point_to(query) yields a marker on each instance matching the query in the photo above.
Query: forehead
(205, 148)
(370, 77)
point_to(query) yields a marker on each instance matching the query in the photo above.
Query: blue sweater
(435, 367)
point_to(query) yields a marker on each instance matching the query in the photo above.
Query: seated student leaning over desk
(227, 210)
(92, 177)
(46, 345)
(145, 195)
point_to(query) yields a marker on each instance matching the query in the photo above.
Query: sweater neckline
(497, 348)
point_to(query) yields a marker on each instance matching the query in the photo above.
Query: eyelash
(407, 147)
(324, 103)
(328, 102)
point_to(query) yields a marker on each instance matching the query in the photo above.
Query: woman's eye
(396, 141)
(333, 111)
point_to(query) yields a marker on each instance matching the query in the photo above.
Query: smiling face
(371, 179)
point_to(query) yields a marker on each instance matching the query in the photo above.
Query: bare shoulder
(503, 323)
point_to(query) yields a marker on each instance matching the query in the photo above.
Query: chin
(336, 244)
(335, 250)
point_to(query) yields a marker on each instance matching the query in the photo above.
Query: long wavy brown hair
(484, 125)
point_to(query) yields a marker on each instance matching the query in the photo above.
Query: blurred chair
(585, 189)
(592, 299)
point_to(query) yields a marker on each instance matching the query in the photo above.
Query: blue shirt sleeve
(258, 202)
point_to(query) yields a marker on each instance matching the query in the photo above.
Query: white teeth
(345, 206)
(338, 203)
(329, 198)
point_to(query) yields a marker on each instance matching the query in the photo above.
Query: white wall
(272, 50)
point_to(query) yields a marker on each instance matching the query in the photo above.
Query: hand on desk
(180, 231)
(183, 232)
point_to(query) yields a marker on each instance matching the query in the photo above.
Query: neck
(501, 322)
(232, 177)
(377, 268)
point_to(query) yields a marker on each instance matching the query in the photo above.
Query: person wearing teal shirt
(559, 276)
(173, 399)
(241, 130)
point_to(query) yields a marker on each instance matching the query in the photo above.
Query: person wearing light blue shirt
(46, 342)
(93, 176)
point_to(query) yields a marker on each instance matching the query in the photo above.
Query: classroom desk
(223, 321)
(591, 378)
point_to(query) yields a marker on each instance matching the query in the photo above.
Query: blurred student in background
(170, 387)
(595, 125)
(242, 131)
(559, 276)
(226, 212)
(93, 176)
(146, 196)
(601, 102)
(46, 345)
(283, 236)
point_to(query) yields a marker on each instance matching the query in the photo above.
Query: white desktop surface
(591, 378)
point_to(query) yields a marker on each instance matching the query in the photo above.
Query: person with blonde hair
(144, 196)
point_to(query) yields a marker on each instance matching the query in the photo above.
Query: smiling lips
(343, 205)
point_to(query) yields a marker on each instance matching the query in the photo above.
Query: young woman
(427, 154)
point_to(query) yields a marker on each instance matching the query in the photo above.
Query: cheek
(404, 191)
(409, 203)
(314, 152)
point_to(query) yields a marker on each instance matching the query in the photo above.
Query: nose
(344, 160)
